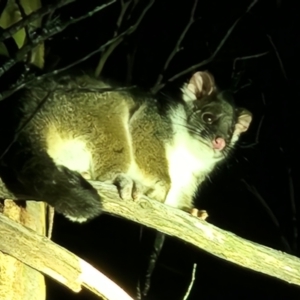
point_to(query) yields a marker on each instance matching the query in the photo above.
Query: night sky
(264, 80)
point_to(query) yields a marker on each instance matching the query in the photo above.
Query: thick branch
(17, 280)
(203, 235)
(45, 256)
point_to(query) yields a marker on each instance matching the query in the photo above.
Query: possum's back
(71, 109)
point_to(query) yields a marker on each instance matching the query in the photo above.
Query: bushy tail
(37, 177)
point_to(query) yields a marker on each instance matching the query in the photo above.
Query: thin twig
(33, 78)
(292, 202)
(52, 29)
(249, 83)
(124, 7)
(176, 48)
(118, 41)
(294, 211)
(23, 15)
(259, 129)
(259, 126)
(27, 32)
(258, 196)
(191, 283)
(135, 3)
(208, 60)
(257, 134)
(245, 58)
(278, 57)
(10, 31)
(130, 64)
(251, 5)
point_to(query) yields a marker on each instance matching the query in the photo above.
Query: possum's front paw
(128, 188)
(201, 214)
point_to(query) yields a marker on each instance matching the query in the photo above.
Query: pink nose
(218, 143)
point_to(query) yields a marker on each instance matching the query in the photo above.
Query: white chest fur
(190, 160)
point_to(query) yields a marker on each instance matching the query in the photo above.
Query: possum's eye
(208, 118)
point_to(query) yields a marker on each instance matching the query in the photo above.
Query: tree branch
(17, 280)
(199, 233)
(49, 258)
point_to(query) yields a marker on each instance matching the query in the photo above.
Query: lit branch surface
(40, 253)
(216, 241)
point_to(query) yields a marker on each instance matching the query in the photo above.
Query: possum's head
(212, 117)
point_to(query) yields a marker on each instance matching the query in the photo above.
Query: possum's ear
(200, 85)
(244, 118)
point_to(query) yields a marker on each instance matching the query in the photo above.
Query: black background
(266, 157)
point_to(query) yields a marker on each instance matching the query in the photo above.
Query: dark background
(265, 159)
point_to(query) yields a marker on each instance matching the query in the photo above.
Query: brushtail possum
(73, 129)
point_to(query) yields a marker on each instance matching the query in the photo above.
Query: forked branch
(58, 263)
(199, 233)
